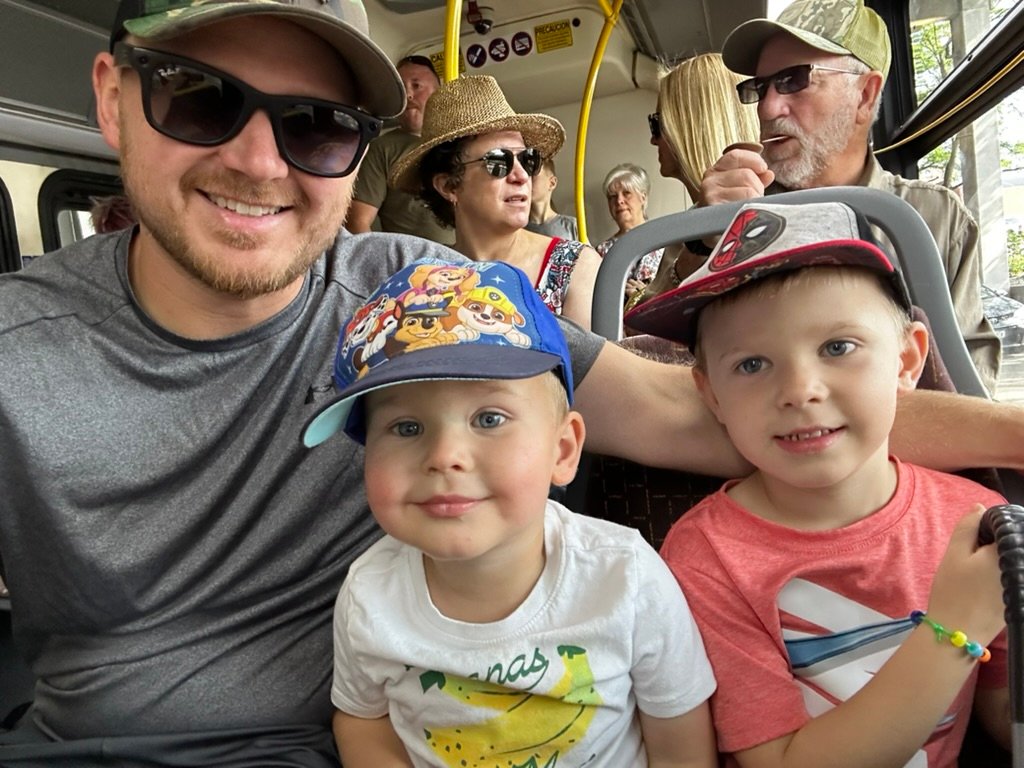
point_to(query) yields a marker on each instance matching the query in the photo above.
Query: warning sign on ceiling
(551, 37)
(437, 59)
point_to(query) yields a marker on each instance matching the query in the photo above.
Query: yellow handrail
(452, 22)
(610, 20)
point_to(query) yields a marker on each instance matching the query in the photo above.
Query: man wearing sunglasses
(816, 75)
(396, 210)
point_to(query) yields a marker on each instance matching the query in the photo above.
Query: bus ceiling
(660, 30)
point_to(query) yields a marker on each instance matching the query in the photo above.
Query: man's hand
(739, 174)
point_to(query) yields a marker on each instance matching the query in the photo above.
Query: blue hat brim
(468, 362)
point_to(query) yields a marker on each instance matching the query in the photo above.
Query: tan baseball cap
(342, 23)
(844, 27)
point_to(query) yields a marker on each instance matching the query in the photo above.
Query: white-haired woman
(626, 188)
(474, 169)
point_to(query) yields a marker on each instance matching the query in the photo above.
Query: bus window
(983, 162)
(65, 199)
(23, 181)
(10, 256)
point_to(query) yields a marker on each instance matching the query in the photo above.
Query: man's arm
(651, 413)
(360, 217)
(947, 431)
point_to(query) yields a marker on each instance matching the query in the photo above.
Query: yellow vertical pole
(452, 23)
(611, 19)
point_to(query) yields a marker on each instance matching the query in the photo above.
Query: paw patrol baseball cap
(441, 320)
(763, 239)
(341, 23)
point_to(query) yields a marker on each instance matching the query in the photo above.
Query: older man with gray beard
(817, 75)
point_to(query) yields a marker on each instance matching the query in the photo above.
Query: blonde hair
(701, 114)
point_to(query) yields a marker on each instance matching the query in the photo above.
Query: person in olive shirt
(394, 210)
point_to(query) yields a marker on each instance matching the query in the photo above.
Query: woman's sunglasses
(197, 104)
(788, 80)
(498, 162)
(654, 123)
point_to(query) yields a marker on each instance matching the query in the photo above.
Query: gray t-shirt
(172, 550)
(560, 226)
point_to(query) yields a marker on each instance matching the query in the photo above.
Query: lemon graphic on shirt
(531, 730)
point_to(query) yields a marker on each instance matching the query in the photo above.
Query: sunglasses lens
(498, 162)
(785, 81)
(530, 159)
(749, 91)
(654, 123)
(320, 139)
(792, 79)
(193, 106)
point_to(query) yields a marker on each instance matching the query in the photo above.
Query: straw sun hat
(470, 106)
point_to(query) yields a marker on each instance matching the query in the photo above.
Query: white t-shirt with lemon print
(605, 631)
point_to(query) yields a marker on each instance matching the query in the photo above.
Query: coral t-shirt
(795, 622)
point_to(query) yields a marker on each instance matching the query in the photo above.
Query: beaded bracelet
(957, 638)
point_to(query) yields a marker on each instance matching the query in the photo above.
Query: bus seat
(650, 499)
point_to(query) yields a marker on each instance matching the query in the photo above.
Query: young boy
(492, 626)
(803, 576)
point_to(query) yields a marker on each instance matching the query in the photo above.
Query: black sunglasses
(788, 80)
(654, 123)
(197, 104)
(498, 162)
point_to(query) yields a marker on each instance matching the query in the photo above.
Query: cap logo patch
(431, 307)
(750, 233)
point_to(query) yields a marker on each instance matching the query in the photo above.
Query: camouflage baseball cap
(342, 23)
(844, 27)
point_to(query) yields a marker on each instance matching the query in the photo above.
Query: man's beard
(207, 266)
(817, 150)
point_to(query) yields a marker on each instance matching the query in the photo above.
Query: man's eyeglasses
(191, 102)
(498, 162)
(788, 80)
(654, 123)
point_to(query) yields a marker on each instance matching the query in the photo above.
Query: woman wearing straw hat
(474, 168)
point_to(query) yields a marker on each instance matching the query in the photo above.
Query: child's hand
(966, 594)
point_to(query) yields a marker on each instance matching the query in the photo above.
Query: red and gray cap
(342, 23)
(762, 240)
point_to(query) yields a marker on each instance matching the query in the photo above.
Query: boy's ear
(568, 449)
(707, 395)
(913, 356)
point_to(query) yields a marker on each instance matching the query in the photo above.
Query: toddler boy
(808, 578)
(492, 626)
